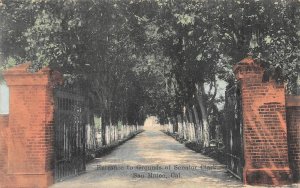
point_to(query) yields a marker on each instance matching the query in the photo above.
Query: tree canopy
(151, 57)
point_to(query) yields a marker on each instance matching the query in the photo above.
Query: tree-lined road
(152, 149)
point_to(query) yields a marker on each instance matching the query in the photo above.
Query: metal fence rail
(234, 131)
(69, 120)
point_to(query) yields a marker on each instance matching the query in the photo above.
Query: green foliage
(267, 28)
(145, 56)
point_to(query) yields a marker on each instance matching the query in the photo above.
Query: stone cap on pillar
(247, 67)
(20, 75)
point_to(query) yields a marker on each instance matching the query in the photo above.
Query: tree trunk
(192, 124)
(184, 127)
(103, 130)
(175, 124)
(199, 133)
(200, 97)
(180, 131)
(185, 124)
(170, 127)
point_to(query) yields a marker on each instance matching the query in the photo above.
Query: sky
(4, 99)
(221, 85)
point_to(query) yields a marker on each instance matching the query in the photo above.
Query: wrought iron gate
(69, 120)
(234, 131)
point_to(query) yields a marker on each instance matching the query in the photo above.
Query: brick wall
(293, 122)
(3, 146)
(28, 136)
(265, 130)
(3, 121)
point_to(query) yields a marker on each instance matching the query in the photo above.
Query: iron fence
(69, 120)
(233, 138)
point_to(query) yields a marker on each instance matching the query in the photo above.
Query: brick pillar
(265, 129)
(28, 136)
(293, 123)
(3, 147)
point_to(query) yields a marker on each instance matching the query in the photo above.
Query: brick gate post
(293, 124)
(264, 126)
(27, 146)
